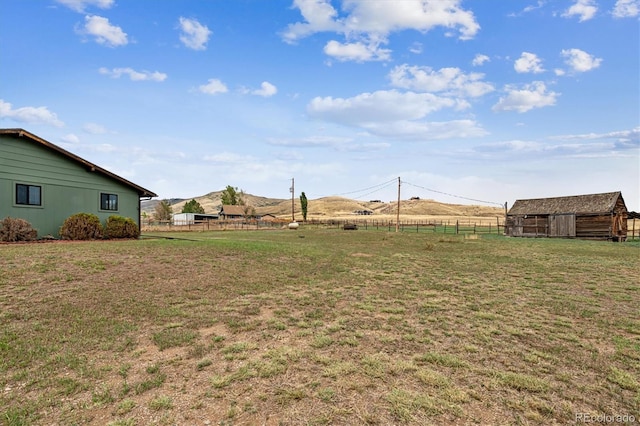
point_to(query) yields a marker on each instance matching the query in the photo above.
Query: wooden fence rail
(464, 227)
(441, 226)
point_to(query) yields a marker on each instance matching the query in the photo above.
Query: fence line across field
(443, 226)
(459, 226)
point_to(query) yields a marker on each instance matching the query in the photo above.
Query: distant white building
(191, 218)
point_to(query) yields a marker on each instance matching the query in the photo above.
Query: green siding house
(45, 184)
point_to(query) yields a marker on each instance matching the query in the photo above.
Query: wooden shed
(592, 216)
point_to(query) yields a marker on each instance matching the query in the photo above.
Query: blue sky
(463, 100)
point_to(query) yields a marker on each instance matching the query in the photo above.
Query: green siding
(67, 186)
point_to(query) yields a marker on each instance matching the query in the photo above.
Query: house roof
(21, 133)
(232, 210)
(590, 203)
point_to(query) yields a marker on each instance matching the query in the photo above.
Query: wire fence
(450, 226)
(495, 226)
(470, 226)
(210, 225)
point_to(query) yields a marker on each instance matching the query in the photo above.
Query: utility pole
(398, 213)
(293, 216)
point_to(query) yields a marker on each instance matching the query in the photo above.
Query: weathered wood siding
(562, 225)
(594, 226)
(591, 216)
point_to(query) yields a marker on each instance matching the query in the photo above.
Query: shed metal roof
(586, 204)
(21, 133)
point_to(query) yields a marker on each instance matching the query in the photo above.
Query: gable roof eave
(603, 203)
(142, 192)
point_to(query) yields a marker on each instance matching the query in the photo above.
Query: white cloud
(319, 16)
(626, 9)
(70, 138)
(479, 60)
(451, 81)
(366, 24)
(213, 87)
(623, 139)
(585, 9)
(528, 9)
(94, 129)
(341, 144)
(228, 158)
(420, 15)
(580, 61)
(194, 35)
(528, 63)
(30, 115)
(416, 48)
(534, 95)
(394, 115)
(134, 75)
(381, 106)
(266, 90)
(534, 7)
(424, 131)
(81, 5)
(603, 145)
(512, 146)
(359, 51)
(310, 141)
(103, 31)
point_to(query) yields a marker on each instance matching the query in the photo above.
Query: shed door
(518, 223)
(562, 225)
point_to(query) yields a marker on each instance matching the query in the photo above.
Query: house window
(28, 195)
(108, 202)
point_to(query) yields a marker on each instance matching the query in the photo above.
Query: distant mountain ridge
(211, 202)
(332, 206)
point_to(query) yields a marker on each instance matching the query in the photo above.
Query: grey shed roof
(591, 203)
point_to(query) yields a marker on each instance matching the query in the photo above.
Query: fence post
(457, 229)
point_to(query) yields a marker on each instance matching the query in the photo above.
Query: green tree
(303, 204)
(249, 211)
(192, 207)
(232, 197)
(163, 210)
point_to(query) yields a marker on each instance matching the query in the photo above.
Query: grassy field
(318, 327)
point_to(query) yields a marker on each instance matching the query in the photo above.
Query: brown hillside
(211, 202)
(334, 207)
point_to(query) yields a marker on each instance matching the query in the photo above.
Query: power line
(378, 189)
(374, 188)
(453, 195)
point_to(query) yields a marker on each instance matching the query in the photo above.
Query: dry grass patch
(363, 327)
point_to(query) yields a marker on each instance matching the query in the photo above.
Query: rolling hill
(329, 207)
